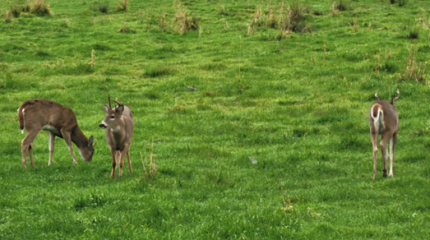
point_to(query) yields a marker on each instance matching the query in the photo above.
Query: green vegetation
(211, 85)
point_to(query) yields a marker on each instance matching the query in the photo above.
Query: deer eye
(112, 117)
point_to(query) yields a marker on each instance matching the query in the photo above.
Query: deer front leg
(121, 161)
(113, 153)
(374, 137)
(68, 139)
(51, 146)
(128, 160)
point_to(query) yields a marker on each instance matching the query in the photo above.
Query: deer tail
(21, 118)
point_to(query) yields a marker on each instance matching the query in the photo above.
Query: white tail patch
(378, 121)
(23, 117)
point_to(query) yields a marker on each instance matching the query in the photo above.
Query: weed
(93, 56)
(40, 8)
(149, 167)
(183, 20)
(126, 29)
(158, 72)
(413, 34)
(402, 3)
(222, 10)
(355, 25)
(413, 70)
(341, 6)
(122, 6)
(15, 10)
(8, 16)
(295, 20)
(103, 7)
(334, 9)
(286, 203)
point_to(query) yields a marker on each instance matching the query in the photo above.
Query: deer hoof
(384, 173)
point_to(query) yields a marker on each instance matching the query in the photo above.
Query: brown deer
(119, 127)
(36, 115)
(384, 120)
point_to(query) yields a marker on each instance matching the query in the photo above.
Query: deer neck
(79, 139)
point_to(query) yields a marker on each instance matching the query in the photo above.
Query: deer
(119, 125)
(36, 115)
(384, 121)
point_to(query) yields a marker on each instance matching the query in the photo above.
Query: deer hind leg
(384, 149)
(392, 145)
(27, 145)
(67, 137)
(51, 146)
(374, 137)
(129, 162)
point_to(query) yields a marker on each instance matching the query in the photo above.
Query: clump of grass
(223, 10)
(126, 29)
(149, 166)
(183, 20)
(413, 70)
(103, 7)
(122, 6)
(158, 72)
(402, 3)
(295, 19)
(40, 8)
(8, 16)
(334, 9)
(355, 27)
(341, 6)
(15, 10)
(291, 20)
(413, 34)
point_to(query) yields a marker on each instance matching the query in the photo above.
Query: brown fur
(36, 114)
(119, 126)
(388, 130)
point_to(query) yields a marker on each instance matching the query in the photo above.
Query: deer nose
(102, 125)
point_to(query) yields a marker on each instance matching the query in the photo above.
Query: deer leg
(30, 153)
(51, 146)
(374, 137)
(128, 160)
(392, 145)
(113, 153)
(27, 145)
(68, 139)
(384, 150)
(121, 161)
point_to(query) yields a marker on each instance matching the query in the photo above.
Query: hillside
(212, 84)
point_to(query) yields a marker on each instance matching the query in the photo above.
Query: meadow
(254, 111)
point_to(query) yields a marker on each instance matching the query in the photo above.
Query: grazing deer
(41, 114)
(384, 120)
(119, 127)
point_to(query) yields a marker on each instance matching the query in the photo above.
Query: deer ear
(91, 141)
(120, 108)
(105, 108)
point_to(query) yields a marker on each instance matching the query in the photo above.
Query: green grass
(298, 104)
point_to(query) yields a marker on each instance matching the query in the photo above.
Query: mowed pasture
(212, 84)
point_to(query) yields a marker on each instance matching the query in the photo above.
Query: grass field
(286, 83)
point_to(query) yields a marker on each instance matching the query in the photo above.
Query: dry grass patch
(414, 71)
(183, 21)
